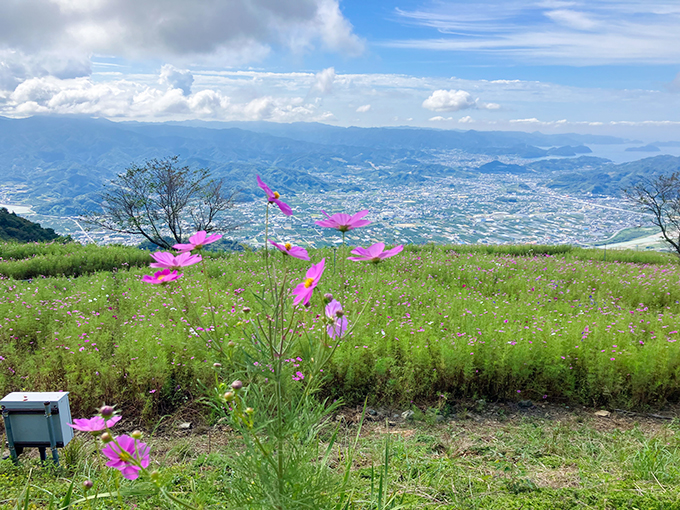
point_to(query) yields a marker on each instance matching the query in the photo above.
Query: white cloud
(488, 106)
(17, 66)
(455, 100)
(552, 32)
(335, 30)
(572, 19)
(364, 108)
(323, 83)
(466, 120)
(533, 120)
(176, 78)
(645, 123)
(126, 99)
(439, 118)
(449, 101)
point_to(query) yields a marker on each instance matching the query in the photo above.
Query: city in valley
(488, 209)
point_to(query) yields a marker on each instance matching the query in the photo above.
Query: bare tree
(660, 197)
(162, 200)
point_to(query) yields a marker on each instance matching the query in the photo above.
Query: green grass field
(440, 321)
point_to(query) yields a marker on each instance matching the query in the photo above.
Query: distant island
(568, 150)
(644, 148)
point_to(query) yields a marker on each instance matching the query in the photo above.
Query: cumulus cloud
(323, 83)
(449, 101)
(126, 99)
(335, 30)
(364, 108)
(439, 118)
(176, 78)
(455, 100)
(175, 30)
(466, 120)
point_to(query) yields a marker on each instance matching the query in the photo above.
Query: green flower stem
(201, 333)
(266, 247)
(207, 284)
(101, 468)
(342, 254)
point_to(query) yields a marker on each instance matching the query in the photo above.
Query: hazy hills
(409, 138)
(62, 162)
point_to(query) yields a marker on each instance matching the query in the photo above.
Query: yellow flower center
(276, 194)
(288, 246)
(308, 282)
(124, 456)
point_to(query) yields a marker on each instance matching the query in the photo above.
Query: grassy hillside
(16, 228)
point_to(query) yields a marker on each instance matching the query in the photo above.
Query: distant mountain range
(62, 162)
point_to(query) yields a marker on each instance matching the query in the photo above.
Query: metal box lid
(29, 399)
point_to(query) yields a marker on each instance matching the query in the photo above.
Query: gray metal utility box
(37, 419)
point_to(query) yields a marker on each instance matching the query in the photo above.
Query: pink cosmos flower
(164, 276)
(273, 197)
(344, 222)
(198, 241)
(170, 261)
(374, 253)
(335, 313)
(127, 456)
(303, 291)
(293, 251)
(94, 424)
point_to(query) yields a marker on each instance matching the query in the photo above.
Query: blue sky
(600, 66)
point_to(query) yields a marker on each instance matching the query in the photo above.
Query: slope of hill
(16, 228)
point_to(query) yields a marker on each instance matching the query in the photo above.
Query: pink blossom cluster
(303, 291)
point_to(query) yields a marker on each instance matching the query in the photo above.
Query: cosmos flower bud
(339, 313)
(229, 396)
(328, 297)
(137, 434)
(250, 410)
(87, 484)
(231, 344)
(106, 437)
(106, 411)
(155, 476)
(217, 365)
(237, 385)
(246, 310)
